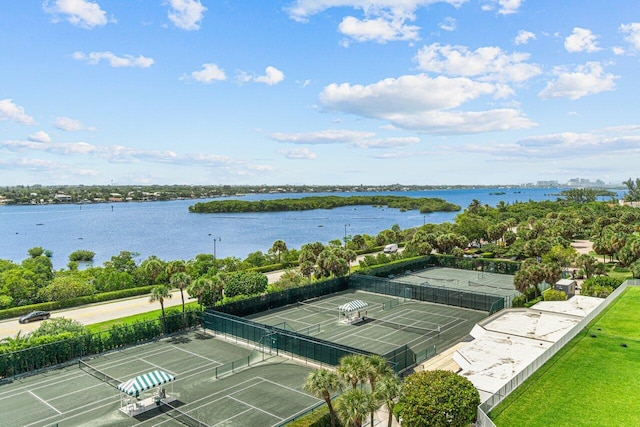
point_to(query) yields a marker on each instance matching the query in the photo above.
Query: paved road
(102, 312)
(95, 313)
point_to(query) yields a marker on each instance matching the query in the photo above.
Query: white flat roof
(510, 340)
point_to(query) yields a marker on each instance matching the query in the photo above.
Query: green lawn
(593, 381)
(143, 317)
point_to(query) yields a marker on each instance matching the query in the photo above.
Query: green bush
(532, 302)
(554, 295)
(488, 255)
(519, 301)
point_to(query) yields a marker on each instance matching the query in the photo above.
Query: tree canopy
(438, 398)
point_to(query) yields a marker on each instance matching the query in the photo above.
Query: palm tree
(152, 269)
(321, 383)
(354, 406)
(181, 280)
(160, 293)
(198, 288)
(353, 369)
(176, 266)
(378, 369)
(279, 246)
(387, 392)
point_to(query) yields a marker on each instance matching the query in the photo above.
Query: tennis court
(216, 383)
(463, 280)
(389, 322)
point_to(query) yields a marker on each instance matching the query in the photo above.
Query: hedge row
(46, 352)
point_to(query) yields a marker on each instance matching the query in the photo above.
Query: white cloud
(505, 7)
(323, 137)
(587, 79)
(186, 14)
(82, 13)
(271, 77)
(405, 94)
(124, 154)
(523, 37)
(581, 40)
(301, 10)
(386, 143)
(40, 136)
(448, 24)
(632, 32)
(208, 74)
(565, 145)
(379, 29)
(54, 147)
(298, 154)
(358, 139)
(382, 21)
(417, 102)
(14, 113)
(617, 50)
(115, 61)
(488, 63)
(70, 125)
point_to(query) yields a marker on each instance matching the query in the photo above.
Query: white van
(391, 248)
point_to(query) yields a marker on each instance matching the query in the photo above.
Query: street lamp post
(215, 239)
(345, 234)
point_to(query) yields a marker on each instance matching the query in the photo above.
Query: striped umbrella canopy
(353, 305)
(143, 382)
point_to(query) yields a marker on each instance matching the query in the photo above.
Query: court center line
(223, 422)
(194, 354)
(287, 387)
(157, 366)
(44, 401)
(256, 408)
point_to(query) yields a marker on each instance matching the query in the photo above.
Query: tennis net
(182, 417)
(317, 309)
(113, 382)
(405, 328)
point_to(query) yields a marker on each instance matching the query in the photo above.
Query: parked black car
(34, 315)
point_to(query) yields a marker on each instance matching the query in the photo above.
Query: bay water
(168, 230)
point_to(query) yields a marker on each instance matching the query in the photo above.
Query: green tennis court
(212, 385)
(389, 322)
(463, 280)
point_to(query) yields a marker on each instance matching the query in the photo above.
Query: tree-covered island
(424, 204)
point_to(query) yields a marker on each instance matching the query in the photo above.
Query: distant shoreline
(80, 194)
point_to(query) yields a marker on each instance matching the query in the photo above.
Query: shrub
(82, 255)
(438, 398)
(532, 302)
(519, 301)
(554, 295)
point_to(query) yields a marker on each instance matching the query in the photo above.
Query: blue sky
(318, 91)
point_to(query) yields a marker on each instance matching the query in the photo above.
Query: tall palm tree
(322, 383)
(160, 293)
(355, 405)
(353, 369)
(181, 280)
(176, 266)
(152, 269)
(198, 288)
(387, 392)
(279, 247)
(378, 369)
